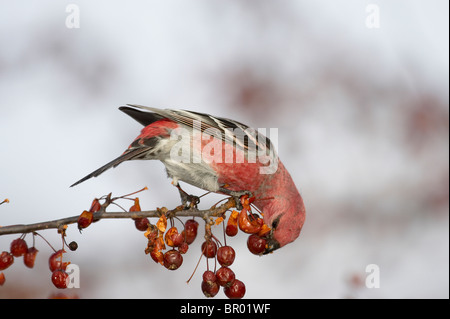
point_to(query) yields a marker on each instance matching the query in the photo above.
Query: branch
(102, 214)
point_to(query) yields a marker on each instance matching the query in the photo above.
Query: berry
(256, 244)
(60, 278)
(232, 224)
(209, 276)
(248, 223)
(225, 276)
(95, 206)
(231, 230)
(18, 247)
(236, 290)
(178, 239)
(55, 261)
(157, 256)
(6, 260)
(210, 289)
(173, 238)
(183, 248)
(190, 231)
(2, 278)
(73, 245)
(29, 257)
(225, 255)
(172, 259)
(85, 219)
(141, 223)
(209, 249)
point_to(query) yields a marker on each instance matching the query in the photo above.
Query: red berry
(225, 255)
(210, 289)
(173, 238)
(29, 257)
(236, 290)
(141, 223)
(183, 248)
(231, 230)
(60, 279)
(209, 249)
(85, 219)
(55, 263)
(209, 276)
(172, 259)
(190, 231)
(6, 260)
(256, 244)
(18, 247)
(225, 276)
(2, 278)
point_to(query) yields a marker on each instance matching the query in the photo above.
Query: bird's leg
(236, 195)
(185, 197)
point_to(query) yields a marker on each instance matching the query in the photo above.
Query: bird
(219, 155)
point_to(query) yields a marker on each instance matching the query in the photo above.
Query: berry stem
(35, 233)
(195, 269)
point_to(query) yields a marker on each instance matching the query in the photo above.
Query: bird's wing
(244, 137)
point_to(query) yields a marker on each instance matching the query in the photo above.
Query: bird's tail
(128, 155)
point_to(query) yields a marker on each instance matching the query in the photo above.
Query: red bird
(208, 152)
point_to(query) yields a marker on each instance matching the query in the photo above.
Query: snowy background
(362, 113)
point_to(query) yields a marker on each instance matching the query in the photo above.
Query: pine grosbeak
(223, 172)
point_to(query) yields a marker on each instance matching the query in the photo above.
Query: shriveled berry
(210, 289)
(209, 249)
(157, 256)
(6, 260)
(85, 219)
(190, 231)
(225, 255)
(54, 262)
(30, 257)
(95, 206)
(236, 290)
(60, 279)
(73, 245)
(183, 248)
(18, 247)
(225, 276)
(141, 223)
(172, 259)
(256, 244)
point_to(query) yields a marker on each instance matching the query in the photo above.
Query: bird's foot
(236, 195)
(187, 200)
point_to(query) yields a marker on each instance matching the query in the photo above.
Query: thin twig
(102, 214)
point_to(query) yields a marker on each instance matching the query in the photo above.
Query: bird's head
(285, 217)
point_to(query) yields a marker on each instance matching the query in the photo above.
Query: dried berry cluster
(160, 237)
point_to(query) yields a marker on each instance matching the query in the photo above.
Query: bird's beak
(272, 244)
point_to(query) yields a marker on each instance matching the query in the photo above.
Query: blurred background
(358, 91)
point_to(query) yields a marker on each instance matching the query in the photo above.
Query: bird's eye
(276, 221)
